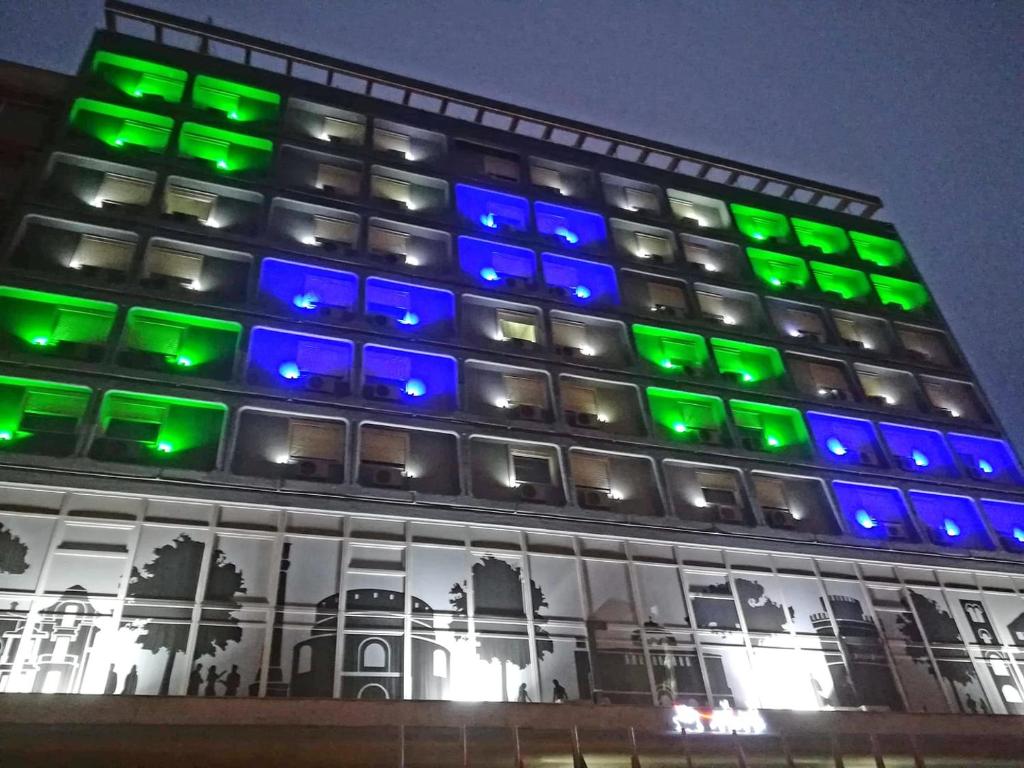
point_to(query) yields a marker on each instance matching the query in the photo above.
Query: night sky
(921, 103)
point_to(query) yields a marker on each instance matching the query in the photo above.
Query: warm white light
(412, 261)
(503, 402)
(409, 473)
(324, 136)
(729, 320)
(889, 399)
(212, 223)
(603, 418)
(822, 391)
(794, 333)
(97, 202)
(615, 495)
(283, 458)
(195, 285)
(587, 351)
(710, 267)
(74, 265)
(319, 185)
(308, 240)
(954, 413)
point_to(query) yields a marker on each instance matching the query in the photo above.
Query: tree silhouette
(497, 591)
(12, 552)
(939, 627)
(173, 574)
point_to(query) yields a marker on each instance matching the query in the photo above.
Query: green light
(232, 115)
(40, 341)
(772, 441)
(118, 142)
(215, 146)
(183, 361)
(670, 350)
(120, 126)
(139, 77)
(5, 436)
(826, 238)
(849, 284)
(137, 94)
(667, 364)
(164, 447)
(236, 100)
(759, 224)
(779, 269)
(750, 363)
(882, 251)
(747, 377)
(222, 164)
(679, 427)
(775, 281)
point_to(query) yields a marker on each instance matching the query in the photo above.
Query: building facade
(321, 382)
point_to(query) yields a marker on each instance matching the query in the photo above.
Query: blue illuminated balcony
(409, 309)
(497, 265)
(951, 521)
(986, 458)
(874, 512)
(583, 283)
(1006, 518)
(301, 290)
(490, 210)
(414, 379)
(571, 227)
(299, 362)
(842, 440)
(920, 451)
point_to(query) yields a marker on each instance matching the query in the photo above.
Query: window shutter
(187, 267)
(591, 471)
(579, 398)
(391, 189)
(124, 189)
(771, 493)
(315, 440)
(665, 295)
(191, 202)
(338, 230)
(526, 390)
(517, 325)
(568, 333)
(384, 446)
(321, 358)
(103, 252)
(388, 241)
(342, 179)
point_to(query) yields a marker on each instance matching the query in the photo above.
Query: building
(564, 415)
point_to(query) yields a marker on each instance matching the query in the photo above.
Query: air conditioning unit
(916, 354)
(852, 343)
(518, 284)
(570, 353)
(180, 217)
(517, 343)
(780, 518)
(895, 531)
(751, 442)
(331, 385)
(528, 412)
(382, 392)
(581, 419)
(669, 311)
(113, 449)
(77, 350)
(388, 257)
(727, 514)
(530, 492)
(102, 274)
(592, 498)
(337, 314)
(313, 469)
(384, 476)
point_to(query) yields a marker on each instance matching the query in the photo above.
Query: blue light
(985, 466)
(490, 274)
(289, 371)
(415, 388)
(409, 318)
(568, 235)
(306, 301)
(921, 450)
(581, 292)
(951, 528)
(488, 221)
(1018, 535)
(919, 459)
(835, 445)
(952, 519)
(865, 520)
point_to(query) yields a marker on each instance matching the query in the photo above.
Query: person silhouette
(232, 681)
(212, 678)
(523, 696)
(559, 694)
(111, 686)
(195, 680)
(131, 681)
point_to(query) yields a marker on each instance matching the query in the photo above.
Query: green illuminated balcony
(822, 237)
(905, 294)
(227, 151)
(54, 325)
(748, 363)
(882, 251)
(159, 431)
(139, 78)
(184, 344)
(687, 417)
(759, 224)
(848, 284)
(671, 351)
(40, 417)
(779, 270)
(121, 127)
(237, 101)
(770, 428)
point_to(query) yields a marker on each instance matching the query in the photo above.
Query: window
(569, 334)
(517, 325)
(190, 202)
(501, 168)
(715, 307)
(579, 399)
(591, 471)
(391, 189)
(652, 245)
(339, 180)
(373, 655)
(663, 295)
(391, 141)
(101, 252)
(183, 267)
(546, 177)
(640, 200)
(530, 468)
(524, 390)
(316, 440)
(388, 241)
(129, 190)
(384, 446)
(334, 230)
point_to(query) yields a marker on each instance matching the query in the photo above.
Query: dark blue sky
(921, 103)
